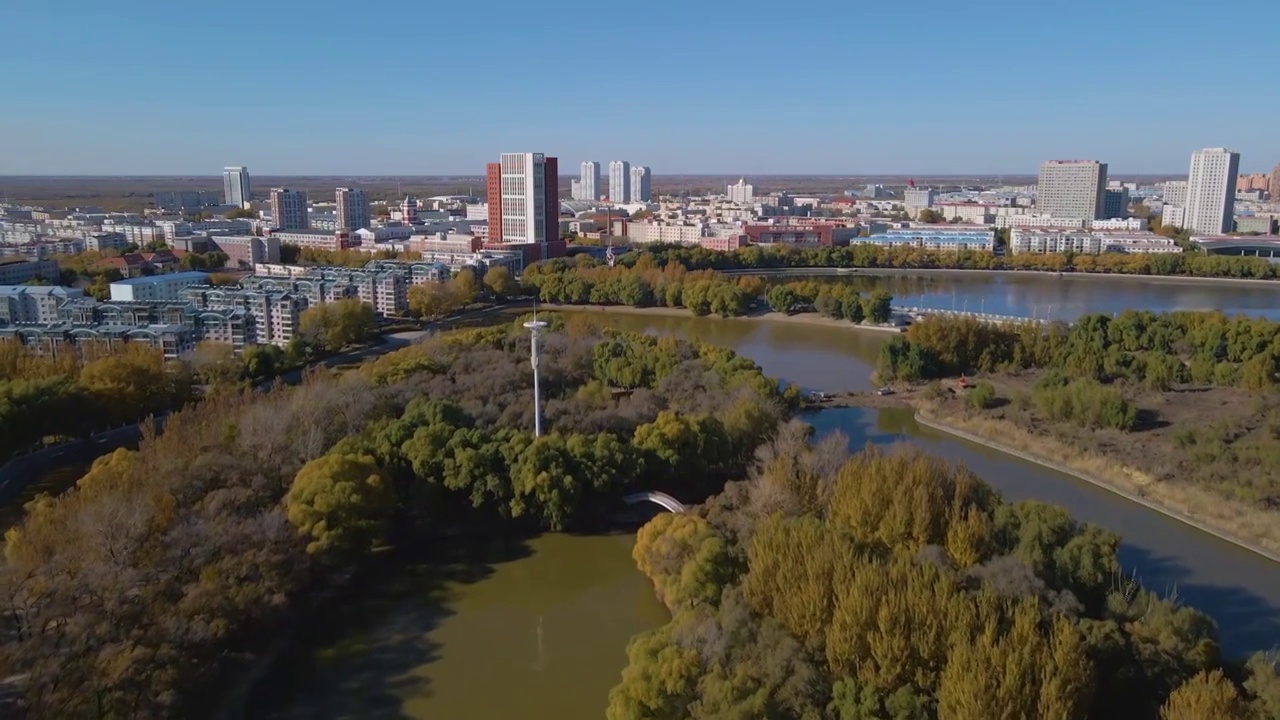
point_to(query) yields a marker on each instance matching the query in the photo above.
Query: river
(543, 633)
(1046, 295)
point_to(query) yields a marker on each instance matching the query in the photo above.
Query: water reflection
(1069, 296)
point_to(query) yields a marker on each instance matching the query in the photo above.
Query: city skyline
(90, 104)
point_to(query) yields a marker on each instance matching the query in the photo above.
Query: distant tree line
(648, 283)
(868, 255)
(1159, 350)
(893, 586)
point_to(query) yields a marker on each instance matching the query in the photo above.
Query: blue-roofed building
(930, 237)
(156, 288)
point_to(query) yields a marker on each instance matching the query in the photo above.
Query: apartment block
(17, 270)
(289, 209)
(1072, 189)
(1211, 190)
(156, 288)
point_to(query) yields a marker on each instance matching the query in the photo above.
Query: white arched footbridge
(659, 498)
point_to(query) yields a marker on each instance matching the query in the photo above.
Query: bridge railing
(985, 317)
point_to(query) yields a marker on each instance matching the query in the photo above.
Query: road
(18, 474)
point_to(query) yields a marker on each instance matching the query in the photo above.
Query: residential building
(934, 237)
(1072, 189)
(524, 203)
(1132, 223)
(245, 251)
(1262, 224)
(1173, 216)
(236, 189)
(619, 181)
(315, 239)
(106, 241)
(589, 182)
(916, 199)
(17, 270)
(1115, 203)
(353, 209)
(575, 189)
(185, 199)
(1211, 190)
(1255, 181)
(968, 212)
(800, 234)
(667, 233)
(1175, 193)
(156, 288)
(1091, 242)
(33, 303)
(289, 209)
(1273, 186)
(740, 192)
(640, 179)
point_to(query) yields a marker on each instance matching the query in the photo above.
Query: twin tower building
(627, 184)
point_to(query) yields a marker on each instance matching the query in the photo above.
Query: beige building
(1072, 189)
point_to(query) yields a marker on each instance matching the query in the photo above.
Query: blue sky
(427, 88)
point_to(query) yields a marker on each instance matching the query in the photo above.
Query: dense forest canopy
(142, 590)
(893, 586)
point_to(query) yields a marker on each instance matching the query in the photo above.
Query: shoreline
(942, 272)
(767, 315)
(1206, 525)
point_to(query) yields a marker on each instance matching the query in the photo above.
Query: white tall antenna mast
(535, 327)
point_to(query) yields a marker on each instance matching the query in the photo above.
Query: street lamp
(535, 327)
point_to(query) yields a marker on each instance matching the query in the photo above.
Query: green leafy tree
(340, 503)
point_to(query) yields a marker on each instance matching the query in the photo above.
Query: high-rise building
(640, 190)
(1175, 193)
(353, 209)
(1072, 189)
(619, 181)
(1274, 185)
(1211, 190)
(1115, 202)
(235, 185)
(524, 199)
(289, 209)
(740, 192)
(589, 181)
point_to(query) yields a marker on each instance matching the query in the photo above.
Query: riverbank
(766, 314)
(962, 272)
(1247, 527)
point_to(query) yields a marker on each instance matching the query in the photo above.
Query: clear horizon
(289, 89)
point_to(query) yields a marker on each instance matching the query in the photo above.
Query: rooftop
(192, 275)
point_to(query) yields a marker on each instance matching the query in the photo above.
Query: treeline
(840, 302)
(896, 586)
(1160, 350)
(75, 394)
(142, 590)
(647, 283)
(867, 255)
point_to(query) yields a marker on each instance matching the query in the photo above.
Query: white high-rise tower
(236, 189)
(1211, 191)
(589, 181)
(640, 192)
(619, 181)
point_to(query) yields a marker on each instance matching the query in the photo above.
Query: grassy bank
(1241, 523)
(766, 314)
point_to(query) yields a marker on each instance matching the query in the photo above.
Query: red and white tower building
(524, 205)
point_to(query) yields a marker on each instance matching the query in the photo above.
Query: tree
(336, 325)
(929, 215)
(498, 280)
(242, 213)
(340, 503)
(1207, 695)
(431, 300)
